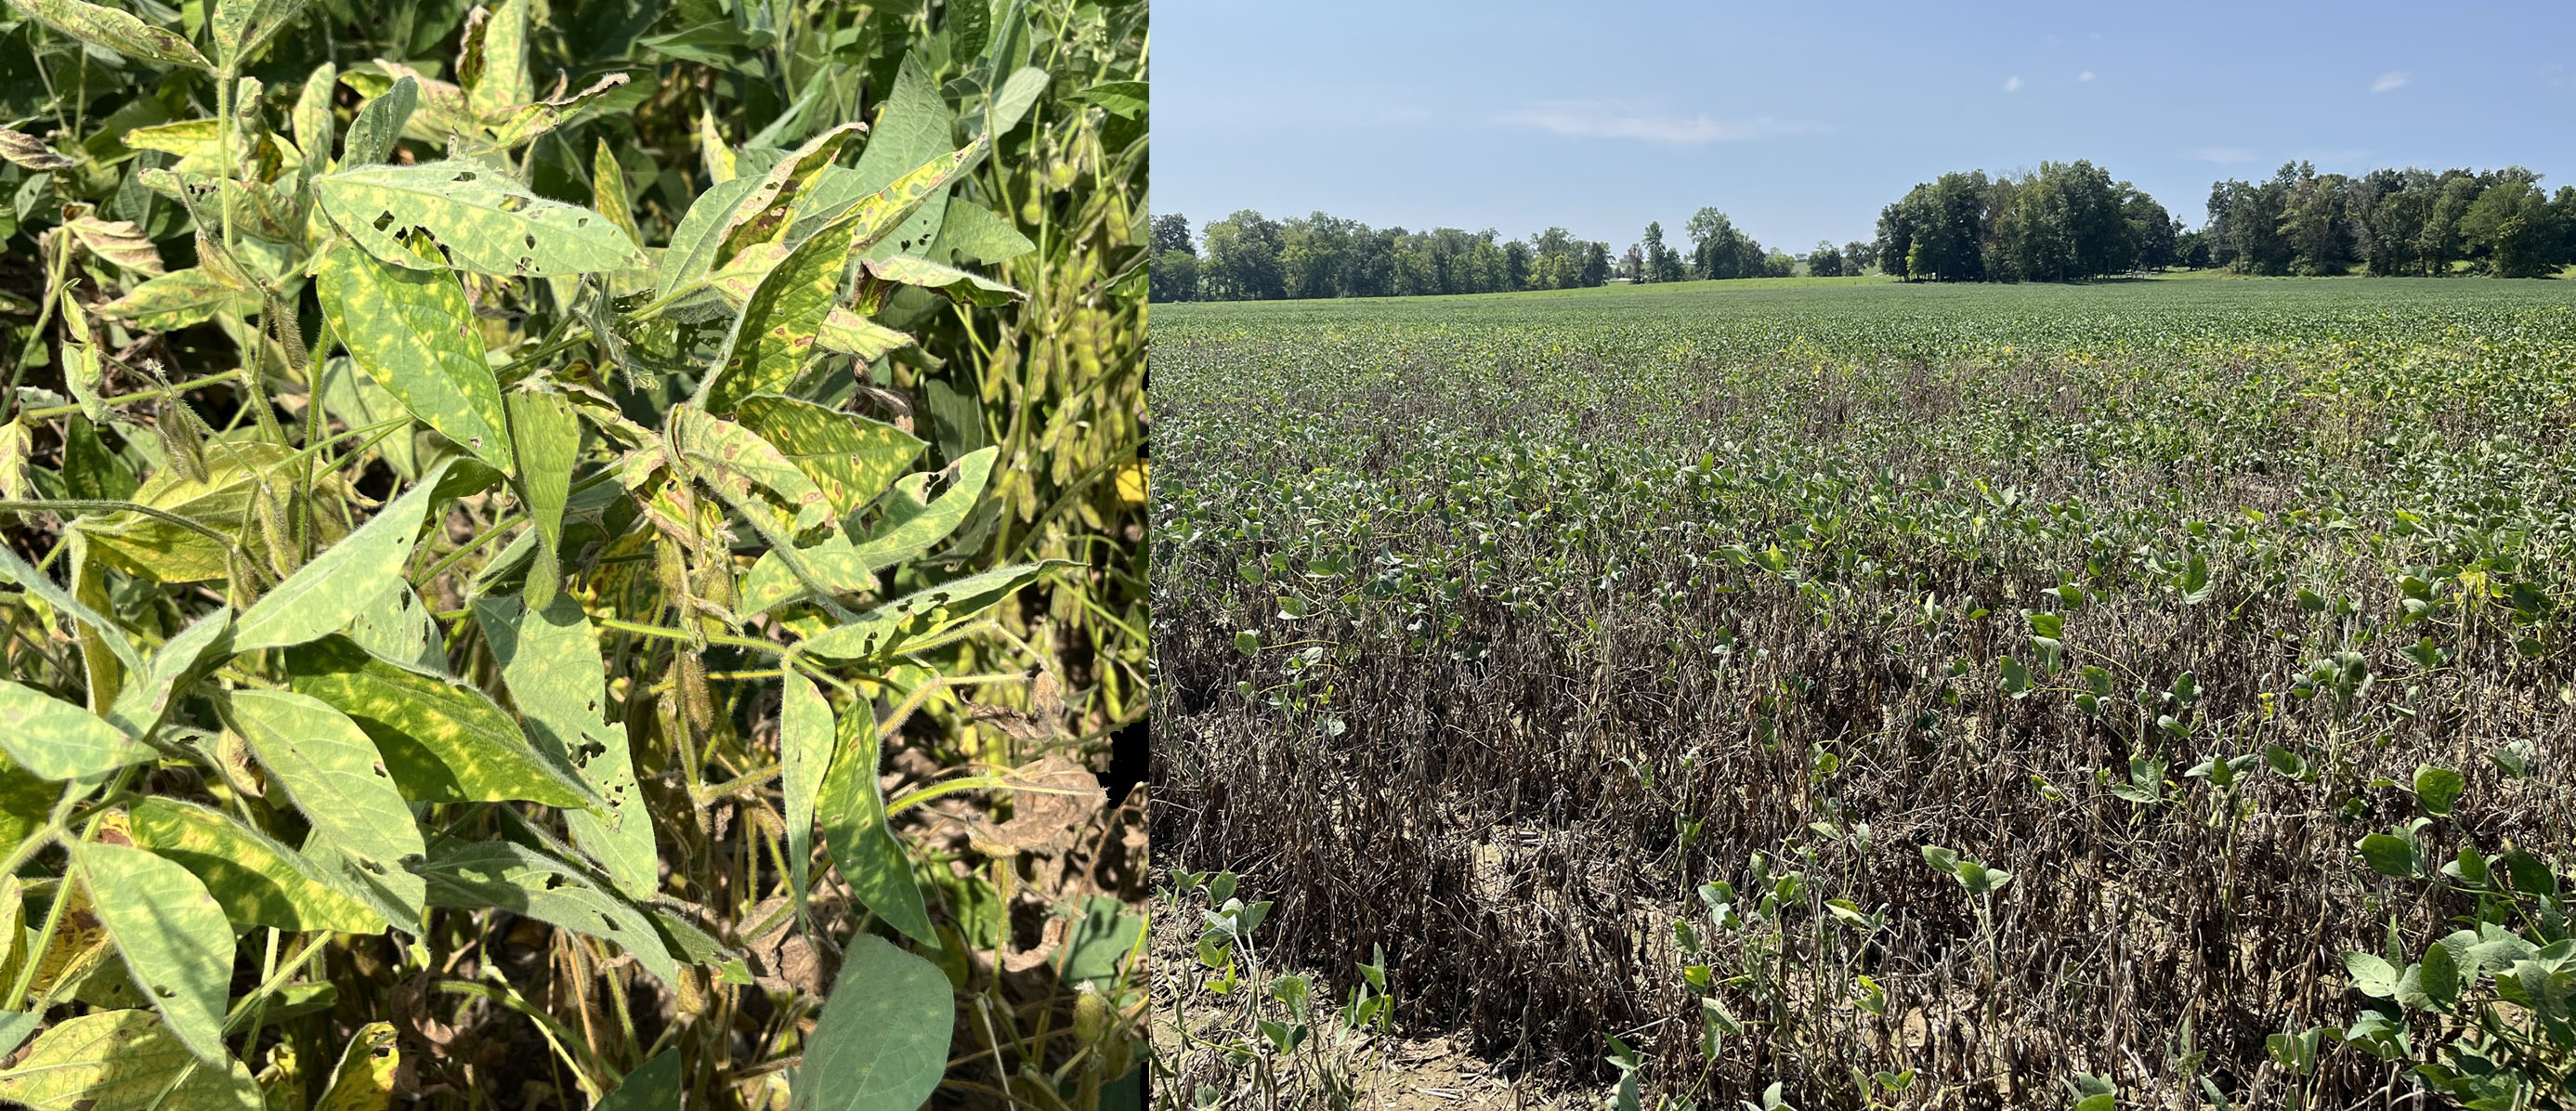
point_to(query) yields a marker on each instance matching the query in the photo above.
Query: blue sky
(1801, 120)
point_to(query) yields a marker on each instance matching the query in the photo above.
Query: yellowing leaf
(332, 772)
(488, 223)
(121, 1061)
(912, 521)
(550, 659)
(173, 937)
(53, 739)
(180, 298)
(256, 881)
(364, 1080)
(413, 332)
(115, 30)
(443, 740)
(923, 614)
(851, 458)
(804, 754)
(326, 594)
(502, 874)
(237, 475)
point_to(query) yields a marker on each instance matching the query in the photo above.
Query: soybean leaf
(853, 811)
(174, 938)
(238, 478)
(692, 253)
(763, 213)
(121, 1061)
(180, 298)
(973, 233)
(2437, 789)
(147, 691)
(332, 772)
(653, 1086)
(2388, 855)
(488, 223)
(378, 123)
(913, 126)
(115, 30)
(521, 880)
(925, 613)
(734, 459)
(53, 739)
(256, 881)
(241, 27)
(364, 1079)
(413, 332)
(548, 435)
(326, 594)
(443, 740)
(882, 1043)
(911, 522)
(551, 661)
(804, 754)
(773, 338)
(851, 458)
(35, 582)
(957, 285)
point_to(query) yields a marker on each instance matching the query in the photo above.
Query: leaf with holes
(522, 881)
(912, 521)
(551, 661)
(850, 458)
(924, 614)
(115, 30)
(172, 935)
(487, 223)
(333, 774)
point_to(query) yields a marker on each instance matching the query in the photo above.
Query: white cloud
(2087, 75)
(2220, 154)
(2395, 78)
(1608, 119)
(2012, 84)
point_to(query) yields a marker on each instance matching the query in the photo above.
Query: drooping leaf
(333, 774)
(29, 153)
(550, 658)
(882, 1043)
(804, 754)
(364, 1078)
(121, 1061)
(924, 614)
(239, 475)
(118, 241)
(973, 233)
(773, 338)
(520, 880)
(852, 807)
(957, 285)
(316, 129)
(55, 740)
(379, 123)
(851, 458)
(180, 298)
(847, 333)
(692, 253)
(413, 332)
(256, 881)
(488, 223)
(147, 691)
(326, 594)
(115, 30)
(548, 434)
(494, 65)
(444, 741)
(35, 582)
(911, 523)
(172, 935)
(763, 214)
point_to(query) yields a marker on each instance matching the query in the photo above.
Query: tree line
(2392, 222)
(1250, 257)
(2065, 221)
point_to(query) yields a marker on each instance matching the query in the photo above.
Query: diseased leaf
(852, 807)
(413, 332)
(117, 241)
(397, 627)
(548, 434)
(494, 67)
(735, 459)
(326, 594)
(848, 333)
(115, 30)
(55, 740)
(882, 1043)
(957, 285)
(608, 191)
(180, 298)
(773, 338)
(924, 614)
(804, 754)
(550, 658)
(256, 881)
(762, 216)
(488, 223)
(333, 774)
(238, 477)
(379, 123)
(364, 1078)
(27, 152)
(913, 126)
(692, 253)
(241, 27)
(851, 458)
(121, 1061)
(909, 525)
(974, 233)
(520, 880)
(444, 741)
(35, 582)
(146, 694)
(173, 937)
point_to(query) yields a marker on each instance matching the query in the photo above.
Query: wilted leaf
(548, 434)
(912, 522)
(237, 475)
(853, 811)
(28, 152)
(180, 298)
(805, 736)
(763, 213)
(116, 241)
(364, 1078)
(956, 284)
(379, 123)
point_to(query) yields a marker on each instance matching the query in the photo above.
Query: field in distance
(2146, 693)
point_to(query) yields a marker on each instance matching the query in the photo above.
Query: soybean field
(1840, 694)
